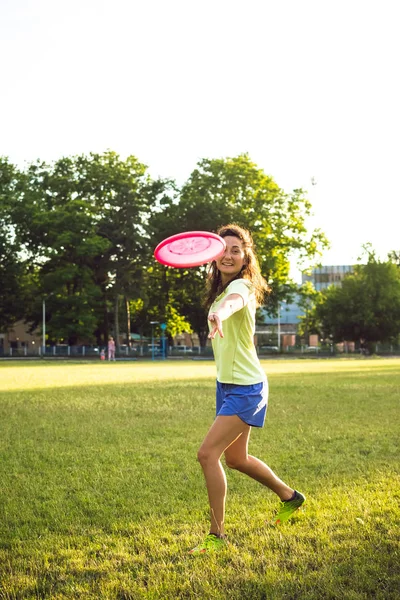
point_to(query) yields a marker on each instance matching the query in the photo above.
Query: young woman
(236, 288)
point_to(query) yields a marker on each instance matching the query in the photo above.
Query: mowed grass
(101, 495)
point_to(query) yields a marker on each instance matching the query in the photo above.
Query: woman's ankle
(221, 536)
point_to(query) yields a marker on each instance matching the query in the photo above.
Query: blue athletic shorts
(249, 402)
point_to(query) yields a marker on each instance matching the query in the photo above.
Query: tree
(56, 229)
(308, 297)
(12, 272)
(394, 257)
(125, 197)
(186, 292)
(12, 267)
(366, 307)
(81, 220)
(157, 303)
(88, 226)
(220, 191)
(168, 290)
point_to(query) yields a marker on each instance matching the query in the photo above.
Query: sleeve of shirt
(241, 287)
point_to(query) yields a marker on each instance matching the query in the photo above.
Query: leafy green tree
(394, 257)
(308, 297)
(220, 191)
(176, 324)
(366, 307)
(88, 226)
(125, 197)
(12, 267)
(157, 303)
(186, 291)
(168, 290)
(12, 272)
(56, 229)
(81, 220)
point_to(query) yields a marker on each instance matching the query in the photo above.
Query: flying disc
(190, 249)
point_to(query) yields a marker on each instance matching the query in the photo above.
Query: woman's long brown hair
(250, 270)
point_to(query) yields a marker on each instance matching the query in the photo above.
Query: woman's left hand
(217, 325)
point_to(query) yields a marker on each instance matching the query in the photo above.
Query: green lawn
(101, 495)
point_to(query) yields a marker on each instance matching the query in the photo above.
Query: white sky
(308, 88)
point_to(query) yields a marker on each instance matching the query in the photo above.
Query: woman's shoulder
(243, 287)
(239, 283)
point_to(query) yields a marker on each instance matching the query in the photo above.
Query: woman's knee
(205, 456)
(233, 462)
(202, 455)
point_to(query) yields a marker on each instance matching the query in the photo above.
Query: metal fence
(100, 352)
(155, 352)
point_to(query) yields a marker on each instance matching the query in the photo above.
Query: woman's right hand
(217, 325)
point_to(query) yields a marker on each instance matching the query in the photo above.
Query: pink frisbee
(190, 249)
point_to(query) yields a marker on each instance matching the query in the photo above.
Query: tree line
(364, 309)
(80, 233)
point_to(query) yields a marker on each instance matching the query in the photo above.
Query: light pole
(44, 327)
(279, 327)
(152, 323)
(163, 328)
(44, 323)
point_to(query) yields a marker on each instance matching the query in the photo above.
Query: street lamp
(152, 323)
(44, 324)
(44, 327)
(163, 328)
(279, 326)
(282, 306)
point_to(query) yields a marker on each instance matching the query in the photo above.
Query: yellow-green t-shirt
(235, 354)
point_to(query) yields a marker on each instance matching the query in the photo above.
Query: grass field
(101, 495)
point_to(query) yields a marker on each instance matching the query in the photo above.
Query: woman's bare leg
(224, 431)
(237, 457)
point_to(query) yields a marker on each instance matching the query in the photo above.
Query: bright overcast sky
(308, 88)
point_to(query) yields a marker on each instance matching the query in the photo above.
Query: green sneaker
(289, 507)
(212, 543)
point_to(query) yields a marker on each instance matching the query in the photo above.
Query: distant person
(236, 287)
(111, 348)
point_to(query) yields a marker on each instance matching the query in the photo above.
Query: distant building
(323, 277)
(285, 325)
(18, 337)
(290, 312)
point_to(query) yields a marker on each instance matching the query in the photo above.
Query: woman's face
(231, 262)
